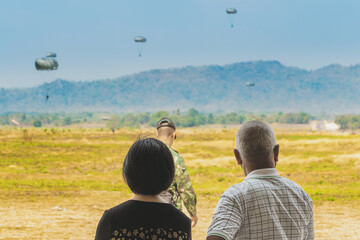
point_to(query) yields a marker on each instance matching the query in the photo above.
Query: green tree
(156, 116)
(342, 121)
(144, 118)
(116, 122)
(37, 123)
(231, 118)
(192, 112)
(220, 119)
(67, 121)
(210, 119)
(4, 120)
(200, 120)
(130, 120)
(188, 121)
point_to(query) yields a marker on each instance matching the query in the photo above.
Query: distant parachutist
(250, 85)
(47, 63)
(231, 12)
(140, 41)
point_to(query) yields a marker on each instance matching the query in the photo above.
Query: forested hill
(332, 89)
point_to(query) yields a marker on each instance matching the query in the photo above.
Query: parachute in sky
(140, 41)
(231, 12)
(48, 64)
(51, 55)
(250, 85)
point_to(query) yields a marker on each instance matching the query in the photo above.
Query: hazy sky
(94, 39)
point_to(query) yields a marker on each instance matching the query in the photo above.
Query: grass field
(56, 183)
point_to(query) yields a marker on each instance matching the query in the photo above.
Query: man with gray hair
(265, 205)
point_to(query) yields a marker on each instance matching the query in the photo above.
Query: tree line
(348, 121)
(190, 118)
(193, 118)
(43, 119)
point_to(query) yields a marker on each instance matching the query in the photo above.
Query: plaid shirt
(263, 206)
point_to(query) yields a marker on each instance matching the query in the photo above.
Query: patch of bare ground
(75, 215)
(337, 221)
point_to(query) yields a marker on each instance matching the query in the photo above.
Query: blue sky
(94, 39)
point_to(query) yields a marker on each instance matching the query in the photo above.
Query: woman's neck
(148, 198)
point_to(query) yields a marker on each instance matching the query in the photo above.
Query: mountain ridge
(332, 89)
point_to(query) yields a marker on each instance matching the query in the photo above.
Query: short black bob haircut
(148, 167)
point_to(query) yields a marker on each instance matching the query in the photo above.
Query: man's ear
(237, 157)
(276, 153)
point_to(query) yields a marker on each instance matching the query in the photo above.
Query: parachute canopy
(51, 54)
(250, 84)
(46, 64)
(140, 39)
(231, 11)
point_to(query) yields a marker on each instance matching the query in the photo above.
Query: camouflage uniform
(181, 188)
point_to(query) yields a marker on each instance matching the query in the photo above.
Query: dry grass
(79, 172)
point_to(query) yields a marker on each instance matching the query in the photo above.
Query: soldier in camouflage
(181, 189)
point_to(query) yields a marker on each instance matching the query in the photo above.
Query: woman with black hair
(148, 170)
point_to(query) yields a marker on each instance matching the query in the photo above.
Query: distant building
(331, 126)
(324, 126)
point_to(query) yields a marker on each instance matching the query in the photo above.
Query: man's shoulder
(296, 187)
(254, 184)
(249, 189)
(287, 186)
(291, 184)
(175, 153)
(236, 190)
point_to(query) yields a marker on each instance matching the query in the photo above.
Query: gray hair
(255, 139)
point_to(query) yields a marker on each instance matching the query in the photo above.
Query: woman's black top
(143, 221)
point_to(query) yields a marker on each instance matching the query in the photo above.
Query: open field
(56, 183)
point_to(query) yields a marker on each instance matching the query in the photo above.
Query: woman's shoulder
(137, 205)
(138, 217)
(118, 208)
(176, 212)
(148, 209)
